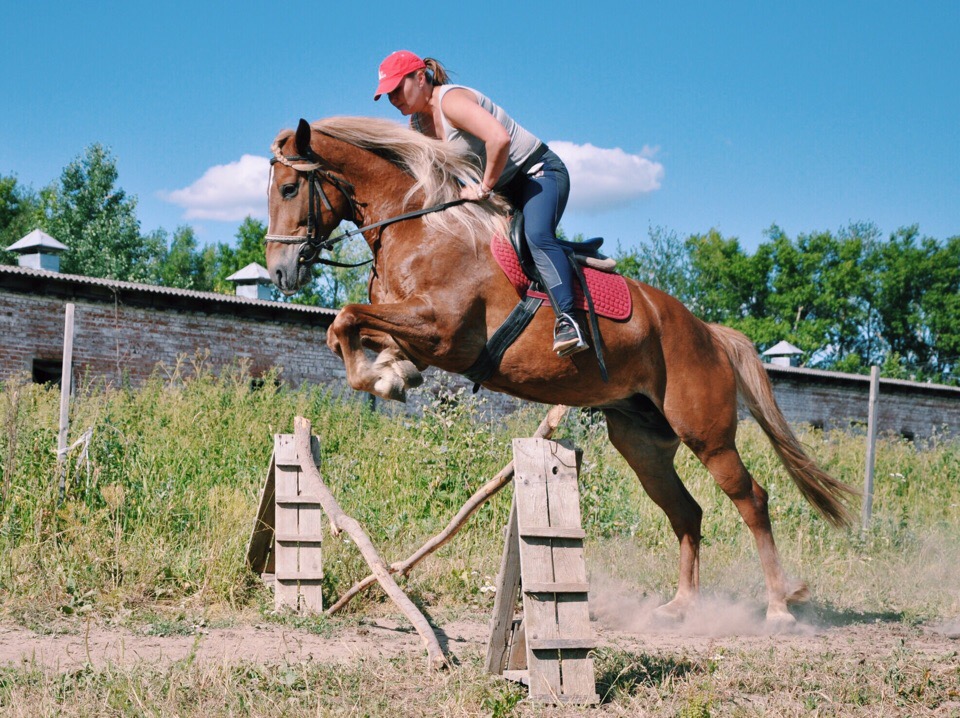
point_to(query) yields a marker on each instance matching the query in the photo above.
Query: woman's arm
(464, 112)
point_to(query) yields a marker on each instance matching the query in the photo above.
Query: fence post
(66, 375)
(871, 446)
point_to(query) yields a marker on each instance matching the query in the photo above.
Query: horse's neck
(379, 185)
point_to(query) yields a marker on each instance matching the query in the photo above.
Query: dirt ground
(79, 644)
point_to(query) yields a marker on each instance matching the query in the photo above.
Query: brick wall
(123, 331)
(127, 342)
(834, 400)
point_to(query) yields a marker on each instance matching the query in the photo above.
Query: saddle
(586, 253)
(595, 281)
(515, 260)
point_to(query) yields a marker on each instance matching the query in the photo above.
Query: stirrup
(567, 337)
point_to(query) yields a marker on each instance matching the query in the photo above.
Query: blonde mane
(435, 167)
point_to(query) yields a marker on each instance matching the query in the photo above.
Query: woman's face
(410, 96)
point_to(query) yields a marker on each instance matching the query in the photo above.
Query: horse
(437, 294)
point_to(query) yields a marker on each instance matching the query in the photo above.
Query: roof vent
(783, 354)
(253, 282)
(38, 250)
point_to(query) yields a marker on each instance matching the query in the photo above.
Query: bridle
(312, 244)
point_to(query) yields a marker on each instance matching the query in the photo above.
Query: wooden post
(297, 525)
(871, 446)
(543, 557)
(66, 375)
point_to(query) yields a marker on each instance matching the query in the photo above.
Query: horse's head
(306, 202)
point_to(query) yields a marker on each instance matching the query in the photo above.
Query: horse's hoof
(409, 374)
(780, 621)
(390, 387)
(797, 592)
(672, 612)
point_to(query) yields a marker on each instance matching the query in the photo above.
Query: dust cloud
(616, 606)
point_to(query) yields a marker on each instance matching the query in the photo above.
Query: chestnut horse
(437, 295)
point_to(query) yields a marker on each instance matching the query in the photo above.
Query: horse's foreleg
(650, 454)
(359, 326)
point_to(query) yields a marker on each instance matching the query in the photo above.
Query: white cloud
(603, 179)
(226, 193)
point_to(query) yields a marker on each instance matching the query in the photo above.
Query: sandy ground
(738, 629)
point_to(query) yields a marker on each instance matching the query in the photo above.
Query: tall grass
(158, 509)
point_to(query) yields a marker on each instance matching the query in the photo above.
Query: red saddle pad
(611, 296)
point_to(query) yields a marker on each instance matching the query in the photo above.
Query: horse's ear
(303, 139)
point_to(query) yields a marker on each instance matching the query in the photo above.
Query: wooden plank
(505, 601)
(517, 658)
(560, 668)
(304, 538)
(298, 499)
(285, 449)
(556, 587)
(286, 594)
(259, 545)
(518, 676)
(311, 519)
(299, 564)
(300, 576)
(554, 532)
(572, 609)
(562, 644)
(533, 511)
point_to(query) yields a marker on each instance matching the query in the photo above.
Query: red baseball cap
(394, 68)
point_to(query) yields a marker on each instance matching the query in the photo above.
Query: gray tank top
(522, 142)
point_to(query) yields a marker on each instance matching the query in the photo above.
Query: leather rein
(312, 244)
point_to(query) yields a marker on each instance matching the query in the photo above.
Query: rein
(313, 243)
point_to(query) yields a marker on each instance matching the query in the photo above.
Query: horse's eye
(288, 191)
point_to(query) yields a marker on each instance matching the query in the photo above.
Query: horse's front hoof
(409, 374)
(390, 387)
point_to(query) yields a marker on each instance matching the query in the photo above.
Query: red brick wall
(116, 341)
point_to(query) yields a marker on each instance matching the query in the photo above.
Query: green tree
(19, 214)
(940, 308)
(183, 264)
(662, 261)
(727, 284)
(224, 260)
(97, 220)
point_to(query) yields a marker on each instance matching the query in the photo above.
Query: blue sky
(687, 116)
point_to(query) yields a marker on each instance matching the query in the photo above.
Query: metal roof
(8, 273)
(862, 378)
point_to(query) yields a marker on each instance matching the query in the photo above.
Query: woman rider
(514, 162)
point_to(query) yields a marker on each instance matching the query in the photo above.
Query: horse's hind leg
(649, 447)
(727, 469)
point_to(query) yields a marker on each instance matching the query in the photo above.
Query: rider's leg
(543, 197)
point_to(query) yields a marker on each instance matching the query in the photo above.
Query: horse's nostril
(278, 279)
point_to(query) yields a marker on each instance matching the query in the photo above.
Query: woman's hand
(475, 192)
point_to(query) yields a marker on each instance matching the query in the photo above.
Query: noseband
(312, 244)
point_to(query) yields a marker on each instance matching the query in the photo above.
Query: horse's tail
(828, 495)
